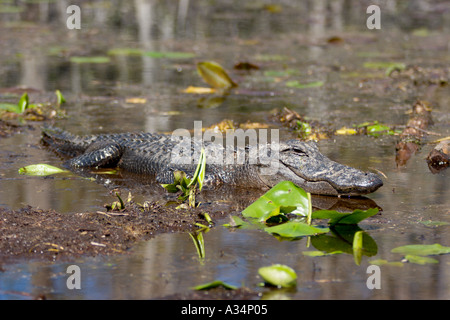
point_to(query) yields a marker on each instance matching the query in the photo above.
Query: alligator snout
(318, 174)
(357, 182)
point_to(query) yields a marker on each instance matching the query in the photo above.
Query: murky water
(36, 50)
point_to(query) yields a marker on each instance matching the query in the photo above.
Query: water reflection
(36, 53)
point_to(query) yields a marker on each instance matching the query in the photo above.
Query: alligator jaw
(338, 180)
(352, 183)
(303, 164)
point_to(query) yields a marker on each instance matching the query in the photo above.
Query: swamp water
(307, 42)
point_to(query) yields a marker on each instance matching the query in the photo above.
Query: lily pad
(278, 275)
(422, 249)
(297, 84)
(215, 75)
(295, 229)
(40, 170)
(317, 253)
(10, 107)
(20, 107)
(419, 259)
(215, 284)
(125, 52)
(382, 262)
(94, 59)
(285, 197)
(169, 54)
(431, 223)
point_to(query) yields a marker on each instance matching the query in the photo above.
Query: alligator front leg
(98, 156)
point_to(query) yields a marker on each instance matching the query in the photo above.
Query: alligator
(152, 154)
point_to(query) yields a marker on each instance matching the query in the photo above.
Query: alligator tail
(63, 142)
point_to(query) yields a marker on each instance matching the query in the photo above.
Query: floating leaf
(381, 262)
(125, 51)
(270, 57)
(295, 229)
(40, 170)
(136, 100)
(199, 90)
(296, 84)
(10, 107)
(378, 128)
(215, 284)
(95, 59)
(344, 218)
(279, 73)
(419, 259)
(394, 67)
(430, 223)
(285, 197)
(278, 275)
(420, 32)
(422, 249)
(319, 253)
(169, 54)
(380, 64)
(273, 8)
(346, 131)
(10, 8)
(214, 75)
(389, 66)
(237, 222)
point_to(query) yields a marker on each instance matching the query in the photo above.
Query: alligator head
(303, 164)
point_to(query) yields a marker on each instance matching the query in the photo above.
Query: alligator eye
(295, 151)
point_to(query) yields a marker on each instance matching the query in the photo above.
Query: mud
(50, 235)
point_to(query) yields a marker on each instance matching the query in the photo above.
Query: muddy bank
(50, 235)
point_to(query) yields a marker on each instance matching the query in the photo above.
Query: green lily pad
(125, 52)
(215, 75)
(20, 107)
(169, 54)
(95, 59)
(285, 197)
(40, 170)
(419, 259)
(382, 262)
(422, 249)
(295, 229)
(10, 107)
(278, 275)
(317, 253)
(430, 223)
(297, 84)
(215, 284)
